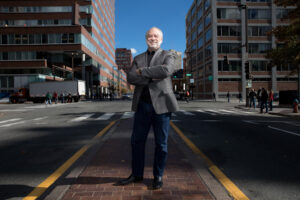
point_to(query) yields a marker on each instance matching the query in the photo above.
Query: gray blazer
(162, 66)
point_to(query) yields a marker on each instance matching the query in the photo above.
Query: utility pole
(244, 35)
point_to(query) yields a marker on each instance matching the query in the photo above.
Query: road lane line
(39, 118)
(41, 188)
(84, 117)
(234, 191)
(285, 131)
(10, 120)
(105, 116)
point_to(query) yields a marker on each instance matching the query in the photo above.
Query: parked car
(127, 96)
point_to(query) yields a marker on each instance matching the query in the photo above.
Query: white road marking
(40, 118)
(10, 120)
(12, 110)
(12, 124)
(84, 117)
(187, 113)
(127, 115)
(250, 122)
(211, 112)
(285, 131)
(228, 111)
(105, 116)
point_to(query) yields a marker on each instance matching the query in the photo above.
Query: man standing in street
(153, 103)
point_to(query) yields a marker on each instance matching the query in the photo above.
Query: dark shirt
(145, 97)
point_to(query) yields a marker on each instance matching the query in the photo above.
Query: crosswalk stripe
(228, 111)
(105, 116)
(84, 117)
(127, 115)
(211, 112)
(10, 120)
(11, 124)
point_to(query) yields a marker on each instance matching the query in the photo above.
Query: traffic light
(247, 70)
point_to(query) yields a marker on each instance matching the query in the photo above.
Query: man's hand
(139, 71)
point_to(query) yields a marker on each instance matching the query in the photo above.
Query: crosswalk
(124, 115)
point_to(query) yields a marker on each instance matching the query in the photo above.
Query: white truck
(70, 90)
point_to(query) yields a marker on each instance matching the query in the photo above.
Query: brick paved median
(112, 163)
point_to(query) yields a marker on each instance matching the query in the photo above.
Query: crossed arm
(143, 75)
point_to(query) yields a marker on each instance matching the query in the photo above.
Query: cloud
(133, 50)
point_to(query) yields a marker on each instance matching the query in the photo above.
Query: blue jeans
(144, 118)
(252, 102)
(263, 104)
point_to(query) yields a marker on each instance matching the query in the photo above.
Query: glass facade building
(216, 29)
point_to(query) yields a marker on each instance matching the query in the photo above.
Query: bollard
(295, 106)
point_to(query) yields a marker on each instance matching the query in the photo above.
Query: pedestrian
(240, 97)
(62, 97)
(214, 96)
(264, 100)
(228, 96)
(55, 97)
(271, 98)
(252, 96)
(187, 96)
(48, 98)
(153, 103)
(258, 96)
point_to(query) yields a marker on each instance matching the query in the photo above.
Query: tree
(288, 48)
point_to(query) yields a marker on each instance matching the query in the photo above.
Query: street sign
(188, 74)
(210, 78)
(249, 83)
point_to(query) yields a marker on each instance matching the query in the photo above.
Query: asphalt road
(258, 152)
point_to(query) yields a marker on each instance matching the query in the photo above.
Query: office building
(222, 36)
(58, 40)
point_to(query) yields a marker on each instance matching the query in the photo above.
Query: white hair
(159, 31)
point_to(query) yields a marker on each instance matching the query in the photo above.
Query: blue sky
(135, 17)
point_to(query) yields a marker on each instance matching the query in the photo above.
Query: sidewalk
(186, 176)
(277, 110)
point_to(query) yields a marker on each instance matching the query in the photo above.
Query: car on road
(127, 96)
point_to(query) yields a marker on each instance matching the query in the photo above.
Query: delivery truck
(71, 90)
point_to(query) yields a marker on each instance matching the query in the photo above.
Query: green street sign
(210, 78)
(188, 74)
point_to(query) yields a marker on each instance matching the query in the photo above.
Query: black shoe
(130, 179)
(157, 183)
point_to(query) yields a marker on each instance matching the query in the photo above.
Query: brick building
(58, 40)
(216, 29)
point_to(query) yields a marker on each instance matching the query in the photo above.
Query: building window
(200, 42)
(281, 13)
(193, 10)
(258, 65)
(200, 28)
(259, 14)
(229, 48)
(229, 31)
(208, 35)
(206, 4)
(199, 13)
(199, 2)
(256, 48)
(228, 13)
(258, 30)
(208, 51)
(200, 56)
(194, 22)
(194, 35)
(234, 65)
(207, 20)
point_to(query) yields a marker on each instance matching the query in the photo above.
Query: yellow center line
(233, 190)
(41, 188)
